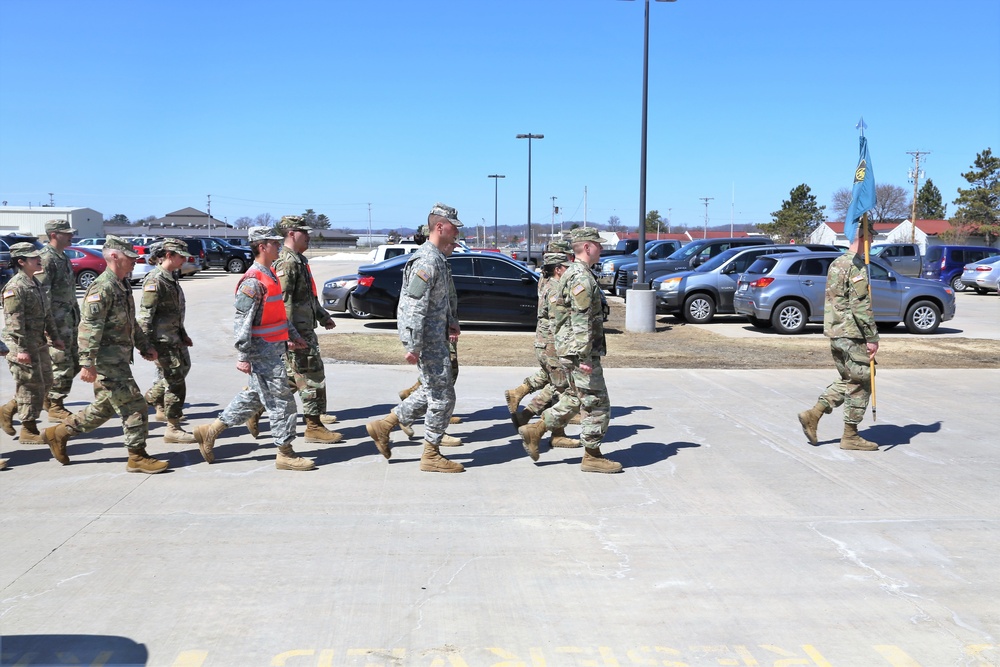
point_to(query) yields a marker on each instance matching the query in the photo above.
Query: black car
(223, 254)
(491, 288)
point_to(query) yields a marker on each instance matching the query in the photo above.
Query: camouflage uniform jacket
(426, 297)
(302, 307)
(848, 309)
(249, 309)
(27, 317)
(59, 283)
(161, 311)
(108, 330)
(544, 329)
(580, 332)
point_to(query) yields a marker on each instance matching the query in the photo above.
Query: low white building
(32, 219)
(924, 233)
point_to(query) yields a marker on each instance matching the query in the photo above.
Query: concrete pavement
(727, 540)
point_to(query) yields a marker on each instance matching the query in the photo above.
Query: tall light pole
(496, 182)
(706, 200)
(552, 225)
(529, 137)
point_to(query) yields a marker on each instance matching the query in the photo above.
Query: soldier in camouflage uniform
(304, 312)
(426, 324)
(3, 353)
(108, 333)
(849, 324)
(161, 318)
(580, 344)
(59, 282)
(263, 334)
(27, 323)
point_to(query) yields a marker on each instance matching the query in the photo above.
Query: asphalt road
(727, 540)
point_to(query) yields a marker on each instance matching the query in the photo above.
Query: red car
(88, 263)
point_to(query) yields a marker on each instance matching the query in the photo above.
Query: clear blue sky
(142, 108)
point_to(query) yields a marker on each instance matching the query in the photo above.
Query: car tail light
(191, 259)
(984, 268)
(943, 260)
(366, 281)
(762, 282)
(140, 260)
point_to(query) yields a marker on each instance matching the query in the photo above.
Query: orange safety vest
(273, 325)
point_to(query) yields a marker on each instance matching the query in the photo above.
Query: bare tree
(892, 203)
(615, 224)
(243, 222)
(264, 220)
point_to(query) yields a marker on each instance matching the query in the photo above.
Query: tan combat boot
(175, 433)
(29, 433)
(379, 430)
(522, 417)
(560, 439)
(316, 432)
(514, 396)
(287, 459)
(7, 417)
(449, 441)
(56, 438)
(140, 461)
(328, 419)
(406, 429)
(532, 435)
(405, 394)
(576, 419)
(57, 411)
(206, 435)
(594, 461)
(810, 421)
(253, 424)
(454, 420)
(432, 461)
(3, 464)
(851, 440)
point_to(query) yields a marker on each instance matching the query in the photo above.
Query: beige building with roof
(32, 219)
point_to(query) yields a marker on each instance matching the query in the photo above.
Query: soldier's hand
(586, 369)
(872, 349)
(88, 374)
(188, 342)
(150, 355)
(297, 344)
(23, 358)
(329, 324)
(243, 367)
(412, 358)
(59, 345)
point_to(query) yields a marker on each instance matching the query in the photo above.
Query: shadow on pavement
(72, 650)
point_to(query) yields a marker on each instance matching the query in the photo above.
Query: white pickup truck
(388, 251)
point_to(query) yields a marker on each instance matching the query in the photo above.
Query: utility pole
(496, 191)
(370, 224)
(552, 225)
(706, 200)
(915, 175)
(584, 208)
(668, 219)
(52, 201)
(209, 215)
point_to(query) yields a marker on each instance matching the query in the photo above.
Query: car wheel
(759, 322)
(957, 284)
(85, 278)
(789, 317)
(236, 265)
(699, 309)
(356, 312)
(886, 326)
(923, 317)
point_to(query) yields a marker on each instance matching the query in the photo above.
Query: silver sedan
(983, 276)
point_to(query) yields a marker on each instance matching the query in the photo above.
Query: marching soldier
(262, 335)
(108, 334)
(580, 344)
(59, 282)
(27, 323)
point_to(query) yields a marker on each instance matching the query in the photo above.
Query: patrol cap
(58, 226)
(262, 234)
(292, 223)
(581, 234)
(112, 242)
(555, 259)
(175, 245)
(560, 246)
(24, 249)
(447, 212)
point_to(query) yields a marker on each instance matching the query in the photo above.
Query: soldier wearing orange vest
(262, 335)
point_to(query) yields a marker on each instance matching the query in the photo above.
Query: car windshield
(877, 250)
(687, 251)
(719, 260)
(763, 265)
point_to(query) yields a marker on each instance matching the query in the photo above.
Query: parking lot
(727, 540)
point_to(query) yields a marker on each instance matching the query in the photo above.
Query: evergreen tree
(654, 223)
(929, 204)
(979, 206)
(798, 217)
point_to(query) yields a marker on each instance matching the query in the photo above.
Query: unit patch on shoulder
(279, 272)
(93, 298)
(149, 287)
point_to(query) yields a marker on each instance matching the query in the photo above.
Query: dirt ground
(677, 345)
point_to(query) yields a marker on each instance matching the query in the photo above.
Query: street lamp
(496, 182)
(529, 137)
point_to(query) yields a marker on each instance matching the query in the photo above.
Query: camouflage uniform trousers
(587, 394)
(115, 393)
(31, 381)
(268, 388)
(555, 382)
(435, 397)
(173, 363)
(307, 376)
(854, 388)
(65, 364)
